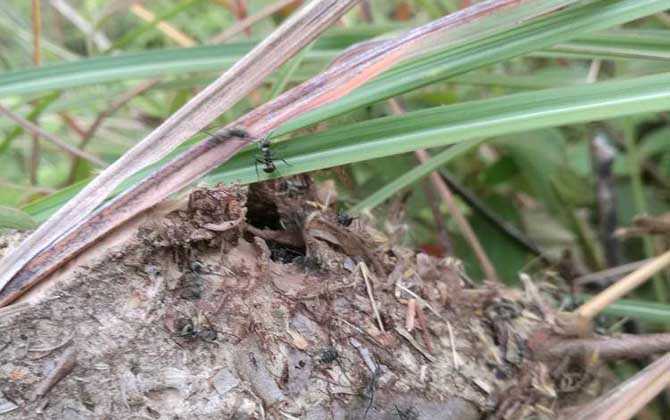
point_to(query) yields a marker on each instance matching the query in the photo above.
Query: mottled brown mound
(268, 304)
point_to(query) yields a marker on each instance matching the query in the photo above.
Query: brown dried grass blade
(299, 30)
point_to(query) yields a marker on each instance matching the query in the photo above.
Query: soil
(267, 303)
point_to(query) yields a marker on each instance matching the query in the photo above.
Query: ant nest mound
(267, 303)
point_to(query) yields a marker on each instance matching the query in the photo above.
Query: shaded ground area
(269, 304)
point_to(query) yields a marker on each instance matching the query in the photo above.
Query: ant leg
(278, 156)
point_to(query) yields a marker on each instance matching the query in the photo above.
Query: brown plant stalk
(626, 346)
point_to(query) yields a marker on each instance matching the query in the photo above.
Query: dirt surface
(268, 303)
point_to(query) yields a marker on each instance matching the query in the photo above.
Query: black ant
(344, 218)
(328, 355)
(192, 328)
(267, 157)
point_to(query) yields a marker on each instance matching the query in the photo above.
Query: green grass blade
(451, 124)
(12, 218)
(152, 64)
(414, 175)
(641, 310)
(132, 35)
(559, 27)
(446, 125)
(616, 44)
(527, 38)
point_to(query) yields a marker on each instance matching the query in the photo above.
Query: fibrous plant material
(196, 316)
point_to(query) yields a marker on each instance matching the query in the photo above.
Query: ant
(267, 157)
(344, 218)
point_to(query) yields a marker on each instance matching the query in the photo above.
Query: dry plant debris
(267, 303)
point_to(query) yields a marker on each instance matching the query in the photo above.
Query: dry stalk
(445, 193)
(37, 60)
(373, 303)
(37, 131)
(64, 366)
(411, 315)
(606, 348)
(87, 135)
(593, 307)
(170, 31)
(606, 277)
(463, 224)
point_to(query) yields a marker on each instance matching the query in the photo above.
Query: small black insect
(408, 413)
(309, 263)
(191, 329)
(267, 157)
(185, 328)
(328, 355)
(344, 218)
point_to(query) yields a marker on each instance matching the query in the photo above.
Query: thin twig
(452, 342)
(411, 315)
(606, 277)
(37, 60)
(419, 299)
(170, 31)
(99, 38)
(442, 233)
(35, 130)
(407, 336)
(115, 106)
(505, 227)
(461, 221)
(373, 303)
(423, 323)
(64, 366)
(443, 190)
(37, 31)
(593, 307)
(72, 124)
(242, 25)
